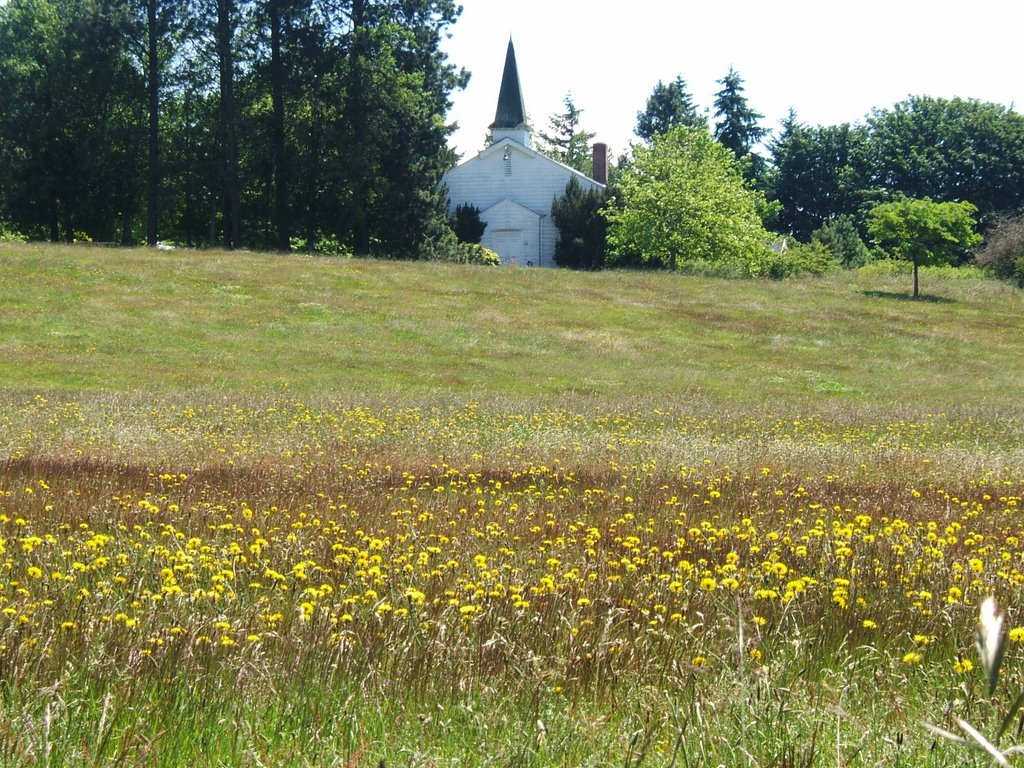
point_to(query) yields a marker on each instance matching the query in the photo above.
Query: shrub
(1003, 252)
(842, 238)
(466, 223)
(8, 234)
(581, 227)
(798, 259)
(462, 253)
(474, 253)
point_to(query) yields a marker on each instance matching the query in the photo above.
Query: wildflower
(415, 596)
(869, 624)
(912, 658)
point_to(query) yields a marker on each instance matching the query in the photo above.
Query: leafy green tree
(683, 199)
(736, 123)
(581, 227)
(667, 107)
(950, 150)
(924, 232)
(567, 142)
(817, 174)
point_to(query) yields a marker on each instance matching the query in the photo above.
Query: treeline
(948, 150)
(317, 124)
(723, 190)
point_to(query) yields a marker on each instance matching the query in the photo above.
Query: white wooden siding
(508, 171)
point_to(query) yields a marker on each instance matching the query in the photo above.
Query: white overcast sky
(833, 62)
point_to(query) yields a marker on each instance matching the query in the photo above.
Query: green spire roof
(511, 112)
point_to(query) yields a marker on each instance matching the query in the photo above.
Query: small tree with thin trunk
(924, 232)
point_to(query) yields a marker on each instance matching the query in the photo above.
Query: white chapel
(514, 185)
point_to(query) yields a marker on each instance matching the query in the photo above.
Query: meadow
(286, 511)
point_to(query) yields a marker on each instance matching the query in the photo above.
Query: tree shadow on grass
(897, 296)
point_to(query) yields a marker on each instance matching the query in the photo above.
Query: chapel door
(509, 246)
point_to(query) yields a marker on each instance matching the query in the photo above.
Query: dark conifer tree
(581, 227)
(667, 107)
(568, 143)
(736, 124)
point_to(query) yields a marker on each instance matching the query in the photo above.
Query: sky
(832, 62)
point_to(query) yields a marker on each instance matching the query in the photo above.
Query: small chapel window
(508, 161)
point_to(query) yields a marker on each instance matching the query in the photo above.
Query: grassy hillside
(136, 320)
(261, 510)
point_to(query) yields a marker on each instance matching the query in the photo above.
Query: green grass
(146, 321)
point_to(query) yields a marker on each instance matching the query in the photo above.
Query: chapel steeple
(510, 116)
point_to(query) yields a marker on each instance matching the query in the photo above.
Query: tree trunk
(313, 176)
(357, 119)
(153, 87)
(232, 185)
(915, 279)
(277, 75)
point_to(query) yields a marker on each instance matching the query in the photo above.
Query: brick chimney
(600, 162)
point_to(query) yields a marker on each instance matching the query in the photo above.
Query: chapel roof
(511, 112)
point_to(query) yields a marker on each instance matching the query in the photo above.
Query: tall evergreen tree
(257, 119)
(226, 23)
(667, 107)
(567, 142)
(277, 20)
(818, 173)
(736, 124)
(73, 104)
(155, 26)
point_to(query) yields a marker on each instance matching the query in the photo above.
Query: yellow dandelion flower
(912, 658)
(963, 666)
